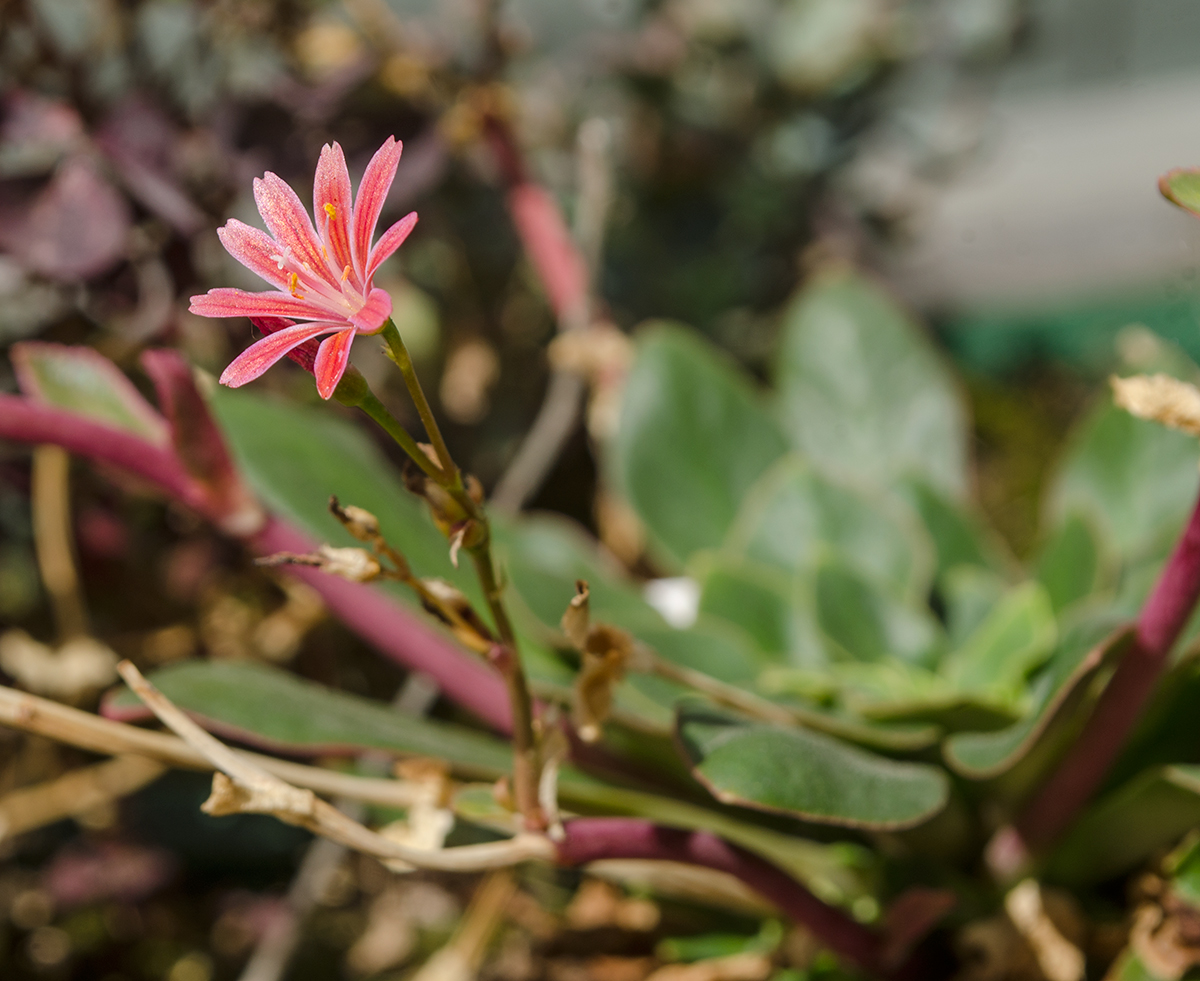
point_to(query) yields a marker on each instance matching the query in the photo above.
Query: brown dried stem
(30, 713)
(242, 786)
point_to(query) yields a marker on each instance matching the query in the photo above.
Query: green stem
(507, 659)
(371, 405)
(526, 754)
(399, 354)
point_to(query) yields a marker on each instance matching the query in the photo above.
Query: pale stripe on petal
(254, 249)
(372, 192)
(390, 241)
(228, 302)
(288, 220)
(331, 186)
(332, 358)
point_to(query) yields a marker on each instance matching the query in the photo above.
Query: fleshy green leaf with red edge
(1182, 187)
(83, 381)
(805, 774)
(199, 444)
(1056, 693)
(271, 708)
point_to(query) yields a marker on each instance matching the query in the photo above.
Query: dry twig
(242, 786)
(29, 713)
(75, 793)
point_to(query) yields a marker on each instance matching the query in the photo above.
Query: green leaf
(1182, 187)
(1135, 480)
(272, 708)
(969, 592)
(867, 625)
(838, 873)
(543, 556)
(805, 774)
(895, 692)
(1148, 814)
(1015, 637)
(1070, 565)
(959, 536)
(85, 382)
(296, 456)
(693, 437)
(862, 393)
(763, 603)
(1183, 866)
(1055, 694)
(280, 711)
(793, 516)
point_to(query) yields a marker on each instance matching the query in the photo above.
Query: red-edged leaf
(86, 383)
(200, 445)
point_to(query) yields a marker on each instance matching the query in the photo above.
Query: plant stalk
(1120, 706)
(527, 764)
(371, 405)
(399, 354)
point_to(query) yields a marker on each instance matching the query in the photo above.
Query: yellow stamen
(331, 211)
(294, 287)
(346, 273)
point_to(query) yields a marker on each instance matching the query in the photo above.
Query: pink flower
(323, 279)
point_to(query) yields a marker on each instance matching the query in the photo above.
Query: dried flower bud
(605, 658)
(1159, 398)
(448, 603)
(575, 621)
(355, 564)
(362, 524)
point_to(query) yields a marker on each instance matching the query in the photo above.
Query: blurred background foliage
(992, 161)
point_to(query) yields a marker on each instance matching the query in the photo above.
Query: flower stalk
(1120, 706)
(505, 656)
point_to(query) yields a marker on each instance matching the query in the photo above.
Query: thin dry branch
(29, 713)
(51, 495)
(75, 793)
(460, 959)
(242, 786)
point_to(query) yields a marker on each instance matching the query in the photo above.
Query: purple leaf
(75, 228)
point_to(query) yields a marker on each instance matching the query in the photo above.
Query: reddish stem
(1120, 706)
(26, 421)
(380, 621)
(589, 839)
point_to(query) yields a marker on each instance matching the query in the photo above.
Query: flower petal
(227, 302)
(260, 355)
(374, 312)
(390, 241)
(332, 358)
(305, 355)
(333, 206)
(254, 249)
(372, 192)
(287, 219)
